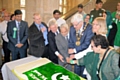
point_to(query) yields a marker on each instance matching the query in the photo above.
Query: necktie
(66, 38)
(56, 33)
(39, 27)
(18, 33)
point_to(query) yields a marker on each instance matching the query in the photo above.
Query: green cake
(44, 69)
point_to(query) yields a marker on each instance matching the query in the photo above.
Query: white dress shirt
(3, 28)
(59, 21)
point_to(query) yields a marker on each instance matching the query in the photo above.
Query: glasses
(77, 23)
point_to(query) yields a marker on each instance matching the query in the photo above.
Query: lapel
(21, 26)
(14, 24)
(35, 28)
(74, 35)
(64, 40)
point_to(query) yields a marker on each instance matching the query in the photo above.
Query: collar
(81, 28)
(17, 21)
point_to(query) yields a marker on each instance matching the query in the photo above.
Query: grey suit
(62, 45)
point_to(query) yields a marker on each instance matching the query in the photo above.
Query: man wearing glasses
(80, 36)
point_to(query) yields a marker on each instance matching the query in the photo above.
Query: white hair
(64, 25)
(77, 18)
(52, 22)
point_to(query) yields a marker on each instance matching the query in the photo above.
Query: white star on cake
(65, 77)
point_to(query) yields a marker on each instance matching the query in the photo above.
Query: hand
(43, 29)
(70, 51)
(68, 60)
(19, 45)
(72, 56)
(61, 58)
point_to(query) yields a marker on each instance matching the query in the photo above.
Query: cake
(43, 69)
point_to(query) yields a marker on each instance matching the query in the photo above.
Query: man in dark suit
(80, 36)
(38, 37)
(53, 50)
(17, 32)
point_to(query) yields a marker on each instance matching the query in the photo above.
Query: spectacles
(77, 23)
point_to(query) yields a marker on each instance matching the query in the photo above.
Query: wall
(44, 7)
(11, 5)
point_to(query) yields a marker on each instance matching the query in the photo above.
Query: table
(8, 67)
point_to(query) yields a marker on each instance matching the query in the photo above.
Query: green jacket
(117, 38)
(96, 13)
(109, 68)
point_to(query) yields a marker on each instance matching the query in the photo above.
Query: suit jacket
(36, 39)
(84, 41)
(109, 68)
(112, 34)
(62, 45)
(23, 35)
(3, 28)
(52, 45)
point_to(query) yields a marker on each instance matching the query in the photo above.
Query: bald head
(37, 18)
(6, 16)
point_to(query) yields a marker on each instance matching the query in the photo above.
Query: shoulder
(89, 26)
(57, 37)
(32, 25)
(24, 22)
(114, 54)
(114, 12)
(2, 23)
(61, 19)
(92, 10)
(44, 24)
(103, 9)
(10, 22)
(72, 28)
(91, 54)
(50, 33)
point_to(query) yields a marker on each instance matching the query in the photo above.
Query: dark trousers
(54, 60)
(6, 52)
(79, 70)
(21, 52)
(46, 52)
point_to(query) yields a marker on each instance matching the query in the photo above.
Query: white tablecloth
(8, 67)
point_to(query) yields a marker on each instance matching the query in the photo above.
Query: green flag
(51, 71)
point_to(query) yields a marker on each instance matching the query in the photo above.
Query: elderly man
(80, 36)
(38, 37)
(62, 45)
(3, 27)
(53, 50)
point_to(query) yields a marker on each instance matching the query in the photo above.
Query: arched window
(22, 7)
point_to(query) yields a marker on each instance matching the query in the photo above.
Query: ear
(99, 47)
